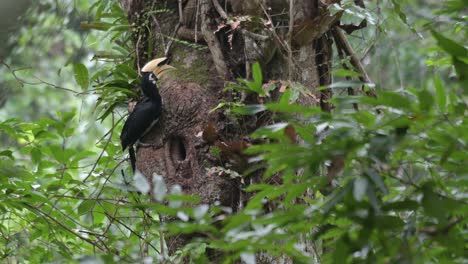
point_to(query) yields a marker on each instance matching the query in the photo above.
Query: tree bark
(295, 47)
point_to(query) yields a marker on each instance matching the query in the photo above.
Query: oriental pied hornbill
(146, 113)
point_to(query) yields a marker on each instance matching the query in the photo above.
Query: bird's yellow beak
(155, 67)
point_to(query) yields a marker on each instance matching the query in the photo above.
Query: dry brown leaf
(290, 132)
(283, 88)
(210, 134)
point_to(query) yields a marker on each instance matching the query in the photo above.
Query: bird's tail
(131, 151)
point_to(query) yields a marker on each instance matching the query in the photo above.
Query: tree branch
(92, 242)
(212, 42)
(22, 82)
(343, 44)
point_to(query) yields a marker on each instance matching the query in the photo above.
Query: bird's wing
(138, 122)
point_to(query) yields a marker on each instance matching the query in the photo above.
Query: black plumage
(147, 112)
(144, 116)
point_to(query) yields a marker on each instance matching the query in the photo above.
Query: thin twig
(137, 54)
(131, 231)
(197, 14)
(254, 35)
(181, 12)
(350, 90)
(176, 29)
(435, 230)
(219, 9)
(155, 20)
(161, 243)
(101, 247)
(323, 62)
(212, 41)
(102, 152)
(22, 82)
(342, 43)
(111, 129)
(91, 233)
(273, 31)
(55, 86)
(108, 177)
(224, 16)
(107, 200)
(290, 33)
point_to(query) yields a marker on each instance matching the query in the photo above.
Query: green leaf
(36, 197)
(450, 46)
(377, 179)
(95, 25)
(425, 100)
(7, 153)
(336, 197)
(406, 205)
(341, 251)
(433, 205)
(436, 205)
(107, 55)
(81, 75)
(397, 9)
(36, 234)
(295, 191)
(441, 97)
(256, 88)
(57, 153)
(257, 74)
(373, 200)
(293, 108)
(67, 116)
(129, 72)
(388, 222)
(461, 66)
(249, 109)
(346, 73)
(83, 155)
(284, 100)
(86, 206)
(36, 155)
(271, 128)
(391, 99)
(219, 106)
(44, 135)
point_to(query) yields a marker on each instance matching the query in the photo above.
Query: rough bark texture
(179, 152)
(294, 46)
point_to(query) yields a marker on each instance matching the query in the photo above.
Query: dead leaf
(235, 24)
(220, 26)
(232, 147)
(283, 88)
(290, 132)
(210, 134)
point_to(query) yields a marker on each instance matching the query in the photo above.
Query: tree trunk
(209, 50)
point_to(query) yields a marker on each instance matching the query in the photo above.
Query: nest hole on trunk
(178, 150)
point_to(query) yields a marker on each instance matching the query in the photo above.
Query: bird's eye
(152, 78)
